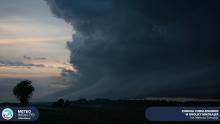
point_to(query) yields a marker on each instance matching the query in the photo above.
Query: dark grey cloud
(19, 64)
(34, 58)
(142, 48)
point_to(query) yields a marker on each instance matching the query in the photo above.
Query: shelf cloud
(142, 48)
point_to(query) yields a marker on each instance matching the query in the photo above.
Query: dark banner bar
(182, 113)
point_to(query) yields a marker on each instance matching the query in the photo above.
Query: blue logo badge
(7, 114)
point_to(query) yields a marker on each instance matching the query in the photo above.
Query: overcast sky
(118, 49)
(142, 48)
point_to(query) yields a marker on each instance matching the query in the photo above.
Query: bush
(59, 103)
(67, 103)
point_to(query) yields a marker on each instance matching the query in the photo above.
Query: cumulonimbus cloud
(141, 48)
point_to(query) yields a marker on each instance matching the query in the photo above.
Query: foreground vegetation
(103, 111)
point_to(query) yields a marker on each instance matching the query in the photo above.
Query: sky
(32, 46)
(134, 49)
(127, 49)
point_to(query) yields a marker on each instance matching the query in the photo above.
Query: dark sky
(142, 48)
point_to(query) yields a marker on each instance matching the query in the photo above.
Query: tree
(23, 91)
(67, 103)
(59, 103)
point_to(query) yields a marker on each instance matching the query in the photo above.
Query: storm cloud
(5, 63)
(142, 48)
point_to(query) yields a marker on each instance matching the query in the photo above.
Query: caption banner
(182, 113)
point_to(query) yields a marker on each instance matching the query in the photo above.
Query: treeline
(82, 102)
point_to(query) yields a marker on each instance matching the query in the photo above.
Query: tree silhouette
(59, 103)
(23, 91)
(67, 103)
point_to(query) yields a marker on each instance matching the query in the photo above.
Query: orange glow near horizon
(29, 41)
(49, 69)
(33, 46)
(35, 37)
